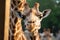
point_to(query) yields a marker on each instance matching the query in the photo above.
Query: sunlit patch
(57, 1)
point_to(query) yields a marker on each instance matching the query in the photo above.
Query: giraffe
(31, 26)
(15, 29)
(33, 18)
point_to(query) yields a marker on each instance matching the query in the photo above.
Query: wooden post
(7, 12)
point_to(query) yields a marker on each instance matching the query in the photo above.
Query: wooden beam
(7, 12)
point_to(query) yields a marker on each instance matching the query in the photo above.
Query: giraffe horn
(23, 1)
(36, 5)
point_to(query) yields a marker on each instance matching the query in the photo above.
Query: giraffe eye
(40, 16)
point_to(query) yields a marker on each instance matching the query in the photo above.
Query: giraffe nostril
(31, 21)
(20, 10)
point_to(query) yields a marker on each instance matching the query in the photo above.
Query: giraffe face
(34, 18)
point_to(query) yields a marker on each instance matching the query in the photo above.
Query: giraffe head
(33, 16)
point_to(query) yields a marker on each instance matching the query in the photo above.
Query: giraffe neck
(35, 35)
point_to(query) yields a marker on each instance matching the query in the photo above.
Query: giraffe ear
(46, 13)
